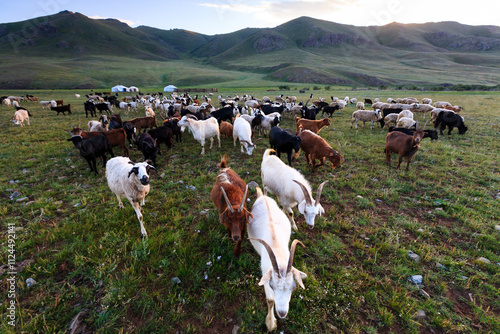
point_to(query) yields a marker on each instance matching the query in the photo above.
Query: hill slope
(93, 53)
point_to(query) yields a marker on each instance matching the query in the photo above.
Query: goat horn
(244, 199)
(416, 125)
(425, 125)
(292, 253)
(248, 143)
(320, 189)
(307, 196)
(229, 206)
(272, 257)
(191, 116)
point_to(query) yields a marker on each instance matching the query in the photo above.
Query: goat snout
(282, 314)
(236, 238)
(145, 180)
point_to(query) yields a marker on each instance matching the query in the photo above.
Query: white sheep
(426, 100)
(406, 122)
(269, 232)
(77, 96)
(129, 180)
(242, 131)
(201, 130)
(346, 99)
(20, 116)
(7, 102)
(360, 105)
(405, 113)
(45, 104)
(421, 107)
(353, 100)
(291, 188)
(365, 116)
(100, 126)
(391, 118)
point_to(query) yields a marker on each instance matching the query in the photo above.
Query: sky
(213, 17)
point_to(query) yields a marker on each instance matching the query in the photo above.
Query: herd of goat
(268, 227)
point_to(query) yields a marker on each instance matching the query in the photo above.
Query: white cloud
(129, 22)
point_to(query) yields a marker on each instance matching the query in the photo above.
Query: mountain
(85, 52)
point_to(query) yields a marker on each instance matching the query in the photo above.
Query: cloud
(129, 22)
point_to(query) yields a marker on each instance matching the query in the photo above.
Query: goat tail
(223, 161)
(268, 152)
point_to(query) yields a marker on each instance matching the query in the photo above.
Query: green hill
(68, 50)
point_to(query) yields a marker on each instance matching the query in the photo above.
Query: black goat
(451, 120)
(63, 109)
(269, 109)
(104, 107)
(329, 110)
(223, 114)
(89, 108)
(115, 122)
(92, 148)
(130, 131)
(283, 142)
(176, 130)
(147, 145)
(162, 134)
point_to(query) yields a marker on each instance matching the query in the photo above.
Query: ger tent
(170, 88)
(133, 89)
(119, 88)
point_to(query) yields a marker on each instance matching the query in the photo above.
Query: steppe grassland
(88, 254)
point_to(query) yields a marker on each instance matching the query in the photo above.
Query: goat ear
(298, 276)
(134, 170)
(266, 277)
(302, 206)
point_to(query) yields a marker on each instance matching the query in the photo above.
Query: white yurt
(133, 89)
(170, 88)
(119, 88)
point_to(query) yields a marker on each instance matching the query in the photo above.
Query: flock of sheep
(268, 226)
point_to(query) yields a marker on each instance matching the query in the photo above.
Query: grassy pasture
(87, 254)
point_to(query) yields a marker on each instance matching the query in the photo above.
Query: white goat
(291, 188)
(149, 112)
(268, 122)
(269, 232)
(365, 116)
(100, 126)
(45, 104)
(242, 130)
(129, 180)
(201, 130)
(405, 113)
(441, 104)
(7, 102)
(20, 116)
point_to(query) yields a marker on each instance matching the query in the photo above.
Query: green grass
(88, 255)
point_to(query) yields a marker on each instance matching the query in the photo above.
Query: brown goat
(116, 137)
(315, 147)
(144, 123)
(403, 144)
(226, 129)
(229, 195)
(312, 125)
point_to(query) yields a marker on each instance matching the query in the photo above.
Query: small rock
(191, 187)
(180, 182)
(162, 175)
(19, 228)
(77, 204)
(359, 196)
(423, 293)
(176, 280)
(497, 227)
(235, 329)
(465, 278)
(15, 194)
(420, 230)
(25, 171)
(204, 211)
(419, 315)
(22, 199)
(439, 209)
(417, 279)
(30, 282)
(413, 256)
(484, 260)
(440, 266)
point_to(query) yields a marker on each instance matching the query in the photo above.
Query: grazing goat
(291, 188)
(162, 134)
(116, 137)
(229, 195)
(451, 120)
(365, 116)
(456, 109)
(432, 134)
(20, 116)
(386, 112)
(63, 109)
(143, 123)
(283, 142)
(406, 122)
(242, 131)
(226, 129)
(105, 106)
(92, 148)
(441, 104)
(315, 147)
(201, 130)
(129, 180)
(269, 232)
(147, 145)
(176, 130)
(404, 145)
(314, 126)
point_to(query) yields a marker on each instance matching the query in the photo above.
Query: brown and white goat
(117, 137)
(229, 195)
(312, 125)
(403, 144)
(315, 147)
